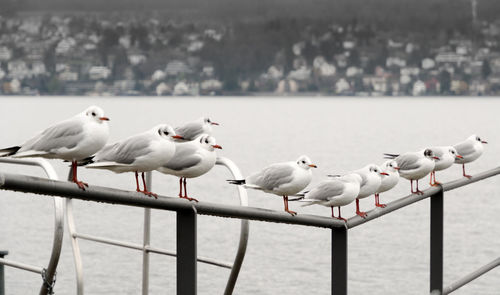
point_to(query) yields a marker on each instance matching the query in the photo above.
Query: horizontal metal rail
(21, 265)
(147, 249)
(30, 184)
(413, 198)
(472, 276)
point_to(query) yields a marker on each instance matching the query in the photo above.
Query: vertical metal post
(146, 240)
(186, 252)
(339, 261)
(2, 274)
(436, 265)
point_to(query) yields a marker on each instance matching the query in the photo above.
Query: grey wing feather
(272, 176)
(190, 130)
(465, 148)
(125, 152)
(408, 161)
(183, 158)
(325, 191)
(66, 134)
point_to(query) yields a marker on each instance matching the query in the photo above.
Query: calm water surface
(389, 255)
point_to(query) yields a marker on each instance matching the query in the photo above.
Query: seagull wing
(66, 134)
(190, 130)
(272, 177)
(185, 156)
(126, 151)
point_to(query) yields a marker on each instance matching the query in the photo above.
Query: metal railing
(48, 274)
(187, 217)
(146, 248)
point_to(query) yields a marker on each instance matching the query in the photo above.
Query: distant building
(177, 67)
(99, 73)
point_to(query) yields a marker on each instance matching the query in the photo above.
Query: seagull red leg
(360, 213)
(377, 202)
(145, 191)
(418, 192)
(80, 184)
(137, 182)
(435, 181)
(180, 187)
(465, 175)
(340, 217)
(186, 193)
(285, 199)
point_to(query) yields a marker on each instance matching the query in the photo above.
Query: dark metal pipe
(186, 252)
(436, 246)
(339, 261)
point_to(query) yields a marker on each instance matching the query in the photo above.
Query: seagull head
(96, 113)
(477, 138)
(167, 132)
(390, 166)
(428, 153)
(208, 142)
(207, 121)
(376, 169)
(453, 152)
(305, 162)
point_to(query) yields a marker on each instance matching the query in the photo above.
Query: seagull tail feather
(9, 151)
(390, 156)
(236, 181)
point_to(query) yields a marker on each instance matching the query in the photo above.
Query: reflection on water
(386, 256)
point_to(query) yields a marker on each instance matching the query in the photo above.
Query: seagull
(195, 128)
(447, 156)
(470, 150)
(335, 192)
(191, 159)
(371, 176)
(389, 181)
(282, 179)
(139, 153)
(72, 140)
(415, 165)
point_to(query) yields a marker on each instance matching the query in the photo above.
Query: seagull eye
(206, 140)
(303, 162)
(93, 114)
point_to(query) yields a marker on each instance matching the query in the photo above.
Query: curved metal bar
(245, 226)
(58, 215)
(77, 258)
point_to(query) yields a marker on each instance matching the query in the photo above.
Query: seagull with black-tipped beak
(139, 153)
(282, 179)
(71, 140)
(470, 149)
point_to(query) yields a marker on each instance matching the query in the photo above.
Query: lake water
(389, 255)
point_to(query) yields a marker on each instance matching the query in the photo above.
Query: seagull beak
(312, 166)
(384, 173)
(213, 123)
(216, 146)
(397, 168)
(483, 141)
(104, 118)
(435, 158)
(177, 137)
(459, 157)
